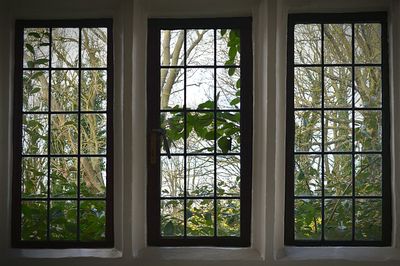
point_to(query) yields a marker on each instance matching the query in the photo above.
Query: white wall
(269, 37)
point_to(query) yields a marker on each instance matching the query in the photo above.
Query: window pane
(200, 176)
(307, 44)
(92, 220)
(94, 90)
(367, 42)
(200, 47)
(368, 87)
(172, 217)
(172, 88)
(36, 91)
(338, 219)
(172, 42)
(65, 47)
(368, 131)
(228, 88)
(94, 47)
(63, 221)
(200, 217)
(93, 176)
(173, 123)
(200, 132)
(308, 219)
(36, 47)
(228, 217)
(338, 175)
(200, 88)
(34, 177)
(338, 128)
(172, 179)
(368, 168)
(308, 135)
(337, 43)
(93, 133)
(34, 134)
(228, 47)
(64, 90)
(338, 87)
(33, 220)
(228, 176)
(63, 177)
(228, 132)
(368, 219)
(307, 175)
(307, 87)
(64, 134)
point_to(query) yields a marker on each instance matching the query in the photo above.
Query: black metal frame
(153, 114)
(17, 141)
(351, 18)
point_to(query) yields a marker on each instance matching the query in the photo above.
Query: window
(338, 136)
(62, 190)
(200, 106)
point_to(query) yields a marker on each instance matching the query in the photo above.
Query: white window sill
(200, 254)
(340, 253)
(65, 253)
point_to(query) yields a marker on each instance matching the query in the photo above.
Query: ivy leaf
(224, 144)
(35, 90)
(41, 61)
(235, 101)
(34, 34)
(30, 48)
(231, 71)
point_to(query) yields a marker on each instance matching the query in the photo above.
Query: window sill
(339, 253)
(200, 254)
(66, 253)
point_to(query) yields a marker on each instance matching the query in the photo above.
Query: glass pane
(337, 43)
(172, 179)
(64, 90)
(64, 134)
(94, 47)
(200, 217)
(338, 219)
(200, 176)
(34, 177)
(228, 47)
(200, 88)
(172, 217)
(368, 219)
(307, 87)
(228, 176)
(172, 88)
(228, 217)
(65, 47)
(93, 176)
(36, 47)
(36, 91)
(368, 131)
(308, 135)
(200, 47)
(64, 177)
(94, 90)
(338, 87)
(367, 42)
(200, 132)
(307, 219)
(307, 175)
(93, 133)
(92, 220)
(368, 87)
(34, 134)
(228, 88)
(338, 128)
(172, 47)
(33, 220)
(63, 221)
(368, 168)
(228, 132)
(338, 175)
(173, 123)
(307, 44)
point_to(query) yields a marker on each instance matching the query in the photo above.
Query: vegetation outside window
(62, 184)
(338, 132)
(199, 131)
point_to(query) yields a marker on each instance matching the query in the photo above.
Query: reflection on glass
(172, 47)
(94, 90)
(200, 176)
(94, 47)
(368, 87)
(65, 47)
(93, 133)
(337, 43)
(63, 177)
(200, 132)
(34, 177)
(368, 224)
(228, 132)
(200, 217)
(36, 47)
(172, 217)
(172, 179)
(35, 91)
(228, 47)
(200, 88)
(172, 88)
(338, 87)
(64, 134)
(33, 220)
(307, 87)
(228, 217)
(228, 88)
(173, 123)
(338, 219)
(338, 175)
(63, 220)
(307, 175)
(368, 170)
(307, 219)
(307, 44)
(368, 131)
(367, 43)
(34, 134)
(200, 47)
(93, 176)
(228, 176)
(92, 220)
(64, 90)
(338, 131)
(307, 130)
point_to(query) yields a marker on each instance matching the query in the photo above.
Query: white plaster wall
(269, 48)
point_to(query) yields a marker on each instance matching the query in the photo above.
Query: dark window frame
(16, 241)
(340, 18)
(153, 122)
